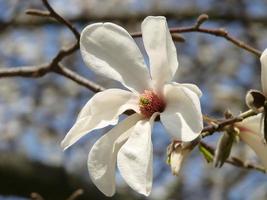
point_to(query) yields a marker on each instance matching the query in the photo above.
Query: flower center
(150, 103)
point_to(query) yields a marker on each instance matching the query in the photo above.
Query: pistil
(150, 103)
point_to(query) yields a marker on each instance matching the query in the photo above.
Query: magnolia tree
(149, 96)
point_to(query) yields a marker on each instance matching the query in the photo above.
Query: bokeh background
(35, 114)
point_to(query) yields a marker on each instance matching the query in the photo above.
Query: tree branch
(64, 71)
(236, 161)
(181, 15)
(215, 32)
(53, 14)
(42, 70)
(25, 71)
(55, 66)
(210, 129)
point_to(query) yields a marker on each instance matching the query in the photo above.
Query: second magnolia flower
(109, 50)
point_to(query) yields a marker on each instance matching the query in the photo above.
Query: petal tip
(263, 55)
(88, 27)
(108, 194)
(145, 193)
(150, 18)
(155, 17)
(64, 145)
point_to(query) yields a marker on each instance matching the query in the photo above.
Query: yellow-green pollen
(149, 103)
(144, 101)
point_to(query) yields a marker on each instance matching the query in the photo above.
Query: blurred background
(35, 114)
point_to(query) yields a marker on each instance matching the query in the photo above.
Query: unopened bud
(224, 146)
(177, 38)
(201, 19)
(177, 153)
(255, 100)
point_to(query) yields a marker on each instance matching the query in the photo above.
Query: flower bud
(224, 146)
(177, 153)
(255, 99)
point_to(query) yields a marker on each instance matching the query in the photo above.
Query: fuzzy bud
(255, 100)
(224, 146)
(177, 153)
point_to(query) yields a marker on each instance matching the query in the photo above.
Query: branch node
(223, 32)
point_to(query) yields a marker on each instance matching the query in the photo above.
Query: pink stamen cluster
(150, 103)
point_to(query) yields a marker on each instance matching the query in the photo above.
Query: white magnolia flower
(251, 129)
(251, 133)
(109, 50)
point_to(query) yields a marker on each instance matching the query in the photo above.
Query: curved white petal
(182, 116)
(251, 134)
(160, 49)
(251, 124)
(263, 60)
(177, 159)
(109, 50)
(101, 110)
(193, 88)
(135, 158)
(102, 157)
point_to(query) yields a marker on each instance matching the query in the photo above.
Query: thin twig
(36, 12)
(53, 14)
(25, 71)
(63, 52)
(64, 71)
(60, 19)
(236, 161)
(54, 65)
(42, 70)
(216, 32)
(210, 129)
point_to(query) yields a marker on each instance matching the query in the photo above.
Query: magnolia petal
(109, 50)
(263, 60)
(101, 110)
(193, 88)
(160, 49)
(102, 157)
(135, 158)
(177, 159)
(251, 124)
(250, 133)
(182, 116)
